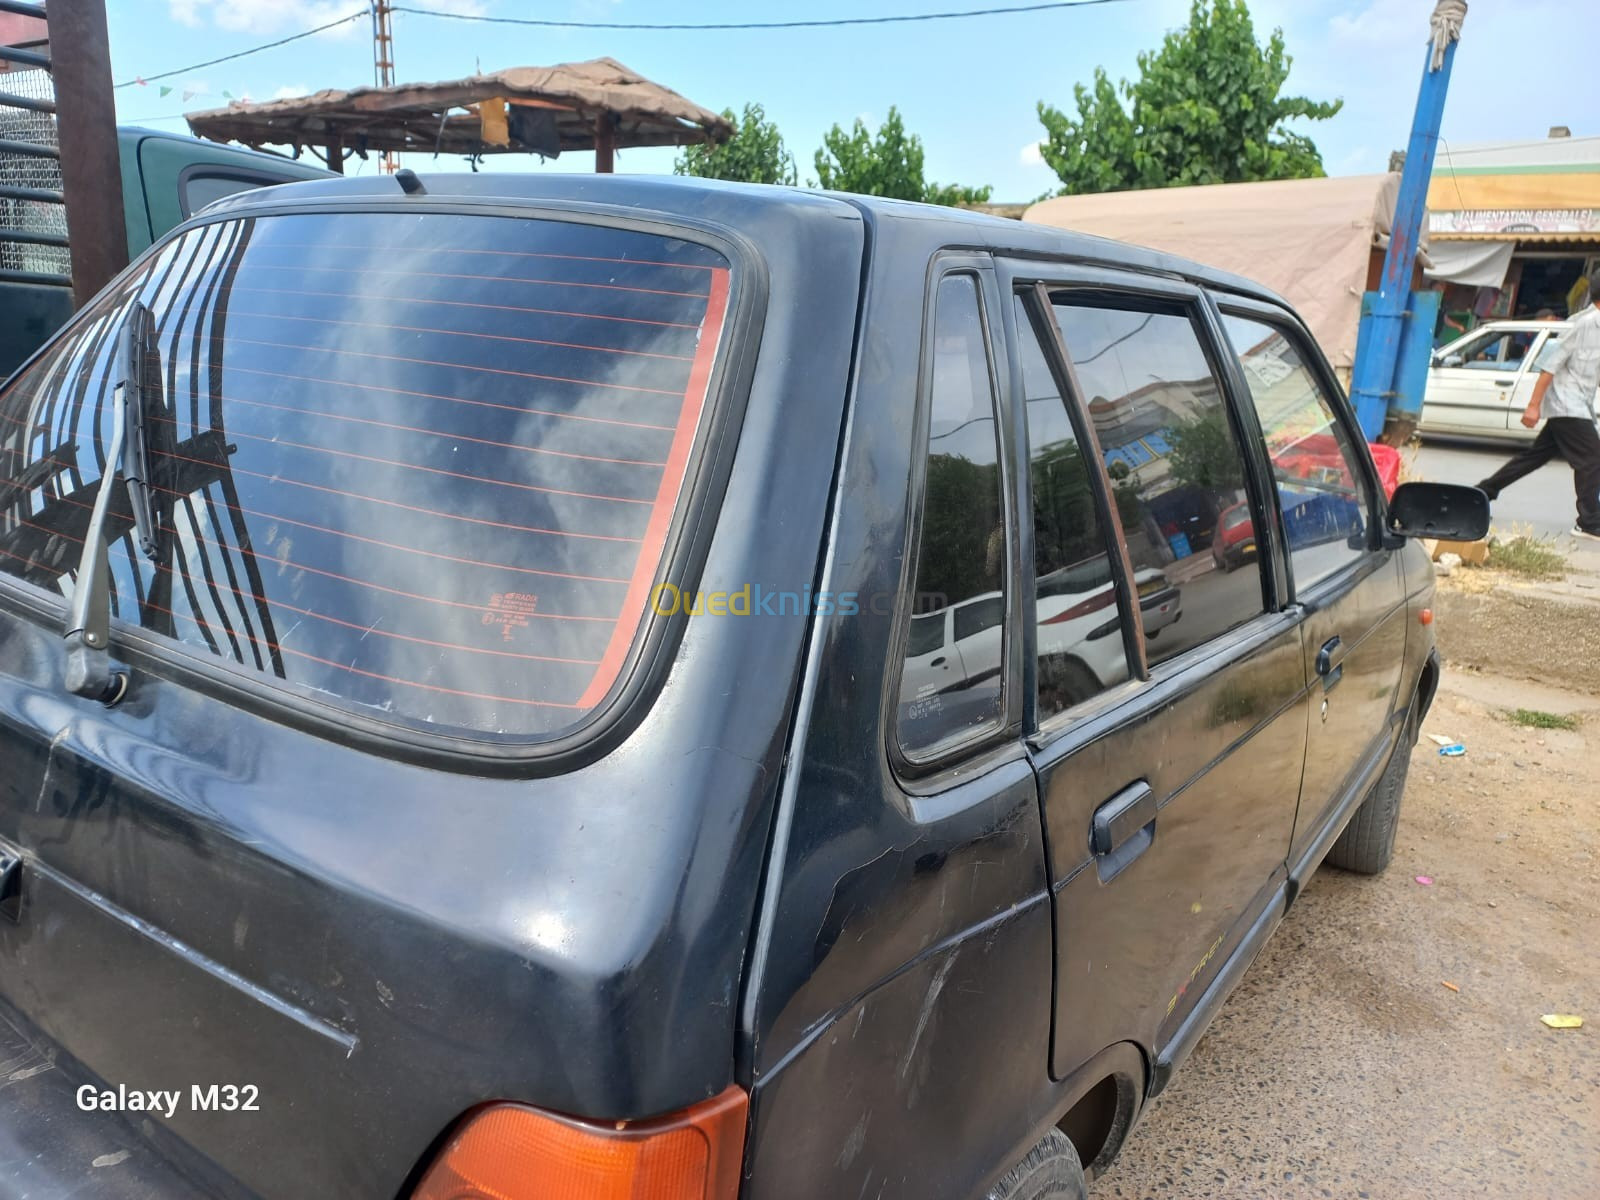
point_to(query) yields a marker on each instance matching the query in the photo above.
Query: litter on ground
(1562, 1021)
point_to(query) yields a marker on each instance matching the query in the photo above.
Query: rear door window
(952, 698)
(424, 466)
(1176, 464)
(1079, 632)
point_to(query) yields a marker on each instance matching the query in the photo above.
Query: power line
(455, 16)
(815, 24)
(294, 37)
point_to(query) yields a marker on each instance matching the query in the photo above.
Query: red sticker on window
(510, 610)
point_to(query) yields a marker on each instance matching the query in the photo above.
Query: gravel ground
(1343, 1066)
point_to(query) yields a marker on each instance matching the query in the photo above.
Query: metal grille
(24, 216)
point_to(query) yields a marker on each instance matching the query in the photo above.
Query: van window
(424, 466)
(1079, 626)
(961, 563)
(1177, 470)
(1326, 500)
(196, 189)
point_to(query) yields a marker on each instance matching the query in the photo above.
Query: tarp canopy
(598, 105)
(1476, 264)
(1310, 240)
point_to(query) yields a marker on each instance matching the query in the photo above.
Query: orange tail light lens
(512, 1152)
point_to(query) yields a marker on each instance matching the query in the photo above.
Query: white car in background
(1479, 384)
(954, 651)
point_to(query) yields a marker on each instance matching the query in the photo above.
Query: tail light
(513, 1152)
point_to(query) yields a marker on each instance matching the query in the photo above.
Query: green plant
(1525, 554)
(1207, 108)
(886, 164)
(754, 154)
(1533, 718)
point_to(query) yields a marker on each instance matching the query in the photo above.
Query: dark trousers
(1573, 439)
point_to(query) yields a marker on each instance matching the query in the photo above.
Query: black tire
(1367, 843)
(1051, 1171)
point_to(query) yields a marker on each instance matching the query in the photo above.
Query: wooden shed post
(605, 144)
(86, 123)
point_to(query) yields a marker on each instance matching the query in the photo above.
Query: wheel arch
(1106, 1097)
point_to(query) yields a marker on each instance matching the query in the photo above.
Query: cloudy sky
(969, 88)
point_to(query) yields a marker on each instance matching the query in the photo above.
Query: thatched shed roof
(571, 106)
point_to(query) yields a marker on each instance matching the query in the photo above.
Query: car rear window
(425, 465)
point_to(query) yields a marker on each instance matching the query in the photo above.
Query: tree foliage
(886, 164)
(1206, 108)
(1204, 455)
(755, 153)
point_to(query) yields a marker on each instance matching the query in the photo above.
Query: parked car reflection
(952, 652)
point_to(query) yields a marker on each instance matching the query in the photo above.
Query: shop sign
(1515, 220)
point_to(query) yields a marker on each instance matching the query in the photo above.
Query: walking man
(1569, 373)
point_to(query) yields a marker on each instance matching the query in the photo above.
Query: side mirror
(1453, 360)
(1448, 511)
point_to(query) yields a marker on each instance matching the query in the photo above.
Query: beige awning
(1310, 240)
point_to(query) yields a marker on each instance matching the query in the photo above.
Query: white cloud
(291, 91)
(1382, 22)
(1031, 156)
(269, 17)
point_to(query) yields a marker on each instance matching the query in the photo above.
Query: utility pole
(383, 62)
(1396, 335)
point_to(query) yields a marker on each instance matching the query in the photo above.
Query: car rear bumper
(50, 1146)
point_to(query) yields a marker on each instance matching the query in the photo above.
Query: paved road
(1543, 501)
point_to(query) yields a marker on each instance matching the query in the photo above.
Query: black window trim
(1043, 325)
(655, 642)
(994, 743)
(1287, 324)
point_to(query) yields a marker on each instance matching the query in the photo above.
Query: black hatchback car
(541, 688)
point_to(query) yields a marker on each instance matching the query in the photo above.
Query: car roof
(734, 203)
(1515, 326)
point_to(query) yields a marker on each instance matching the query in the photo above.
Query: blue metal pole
(1373, 374)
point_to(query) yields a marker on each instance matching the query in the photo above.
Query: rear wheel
(1367, 843)
(1049, 1172)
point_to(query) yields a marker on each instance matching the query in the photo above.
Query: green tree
(888, 164)
(1203, 453)
(1206, 108)
(754, 154)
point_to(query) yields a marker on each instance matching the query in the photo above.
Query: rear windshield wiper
(141, 356)
(88, 626)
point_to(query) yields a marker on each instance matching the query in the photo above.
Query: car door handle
(1330, 663)
(1505, 383)
(1122, 829)
(938, 662)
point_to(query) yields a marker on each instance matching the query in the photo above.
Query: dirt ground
(1343, 1066)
